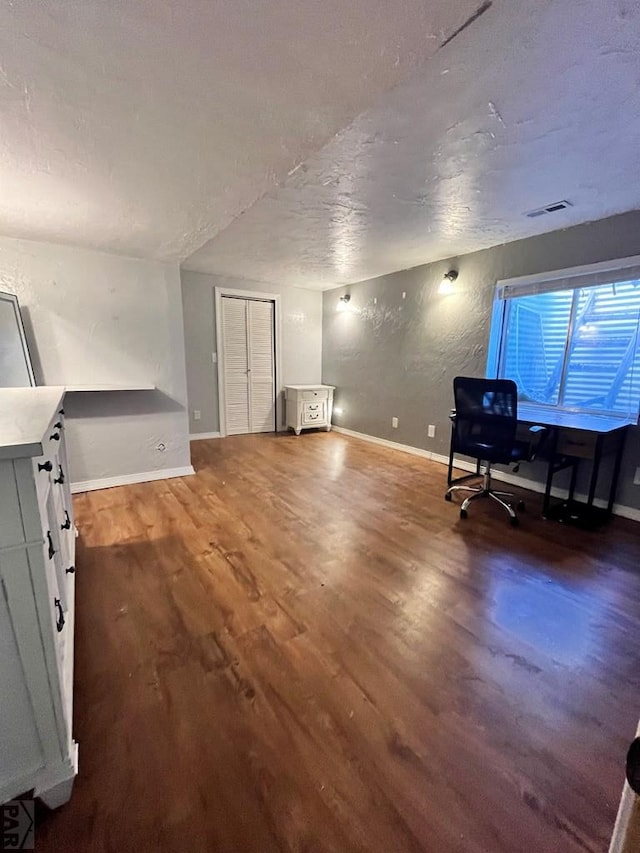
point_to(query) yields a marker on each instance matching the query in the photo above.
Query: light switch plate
(431, 430)
(394, 423)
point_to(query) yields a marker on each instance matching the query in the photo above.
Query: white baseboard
(503, 476)
(130, 479)
(393, 445)
(198, 436)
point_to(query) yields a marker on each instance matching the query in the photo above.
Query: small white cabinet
(309, 406)
(37, 584)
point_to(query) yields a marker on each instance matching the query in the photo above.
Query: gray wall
(96, 318)
(301, 339)
(398, 357)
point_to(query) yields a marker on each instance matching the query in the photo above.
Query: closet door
(262, 415)
(248, 365)
(236, 365)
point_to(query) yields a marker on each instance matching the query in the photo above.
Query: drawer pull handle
(60, 478)
(58, 425)
(52, 550)
(60, 615)
(45, 466)
(71, 570)
(67, 523)
(55, 437)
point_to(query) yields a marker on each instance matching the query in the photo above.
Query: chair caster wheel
(463, 513)
(447, 497)
(521, 507)
(515, 521)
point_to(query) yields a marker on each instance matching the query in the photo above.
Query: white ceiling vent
(550, 208)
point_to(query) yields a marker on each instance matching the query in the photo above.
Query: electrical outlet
(636, 479)
(196, 414)
(214, 357)
(431, 430)
(394, 423)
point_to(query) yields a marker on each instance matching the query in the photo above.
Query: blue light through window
(575, 349)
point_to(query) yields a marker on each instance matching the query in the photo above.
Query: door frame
(277, 319)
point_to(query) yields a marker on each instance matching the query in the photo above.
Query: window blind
(609, 272)
(571, 339)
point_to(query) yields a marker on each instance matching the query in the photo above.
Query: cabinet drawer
(65, 531)
(314, 412)
(576, 442)
(56, 544)
(55, 600)
(314, 395)
(45, 468)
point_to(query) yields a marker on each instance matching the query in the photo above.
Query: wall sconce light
(343, 302)
(446, 285)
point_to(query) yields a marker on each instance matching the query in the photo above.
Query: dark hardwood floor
(304, 648)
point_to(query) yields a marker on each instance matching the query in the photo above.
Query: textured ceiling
(313, 142)
(532, 103)
(146, 126)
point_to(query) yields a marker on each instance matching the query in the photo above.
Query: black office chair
(484, 426)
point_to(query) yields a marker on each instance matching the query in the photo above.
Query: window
(571, 339)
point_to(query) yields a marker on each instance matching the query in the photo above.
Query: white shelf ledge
(141, 386)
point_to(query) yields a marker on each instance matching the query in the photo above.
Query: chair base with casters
(485, 491)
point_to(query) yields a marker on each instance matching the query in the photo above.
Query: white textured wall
(301, 339)
(93, 317)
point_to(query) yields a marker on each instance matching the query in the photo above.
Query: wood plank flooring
(303, 648)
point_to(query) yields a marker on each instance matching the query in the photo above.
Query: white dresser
(309, 406)
(37, 575)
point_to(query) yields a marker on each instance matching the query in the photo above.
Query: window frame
(572, 278)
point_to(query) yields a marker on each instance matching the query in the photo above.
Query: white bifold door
(248, 368)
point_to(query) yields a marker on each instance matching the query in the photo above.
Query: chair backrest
(486, 415)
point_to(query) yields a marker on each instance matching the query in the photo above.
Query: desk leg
(572, 482)
(597, 456)
(450, 471)
(550, 472)
(616, 471)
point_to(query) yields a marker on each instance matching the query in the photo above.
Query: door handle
(60, 616)
(52, 550)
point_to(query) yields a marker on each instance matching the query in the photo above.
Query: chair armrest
(537, 437)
